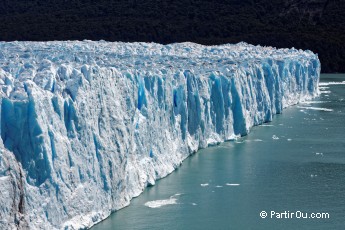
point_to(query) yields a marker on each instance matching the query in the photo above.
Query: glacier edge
(86, 126)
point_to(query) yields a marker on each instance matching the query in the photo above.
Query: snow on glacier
(86, 126)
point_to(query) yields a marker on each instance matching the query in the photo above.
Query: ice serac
(86, 126)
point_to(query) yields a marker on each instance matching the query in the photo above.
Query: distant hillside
(318, 25)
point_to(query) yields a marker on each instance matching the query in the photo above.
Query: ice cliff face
(86, 126)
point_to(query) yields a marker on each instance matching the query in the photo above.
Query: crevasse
(86, 126)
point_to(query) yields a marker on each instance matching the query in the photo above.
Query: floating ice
(160, 203)
(239, 142)
(323, 87)
(86, 126)
(316, 108)
(257, 140)
(326, 91)
(314, 102)
(332, 83)
(274, 137)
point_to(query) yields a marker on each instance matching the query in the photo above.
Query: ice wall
(86, 126)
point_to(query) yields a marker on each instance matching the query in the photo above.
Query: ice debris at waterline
(316, 108)
(331, 83)
(86, 126)
(160, 203)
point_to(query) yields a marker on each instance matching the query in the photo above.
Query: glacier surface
(86, 126)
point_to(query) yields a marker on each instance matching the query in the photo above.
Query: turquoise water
(303, 170)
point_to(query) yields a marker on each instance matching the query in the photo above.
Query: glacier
(86, 126)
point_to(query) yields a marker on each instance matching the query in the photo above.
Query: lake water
(295, 163)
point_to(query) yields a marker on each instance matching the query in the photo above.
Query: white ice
(274, 137)
(228, 184)
(332, 83)
(161, 203)
(316, 108)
